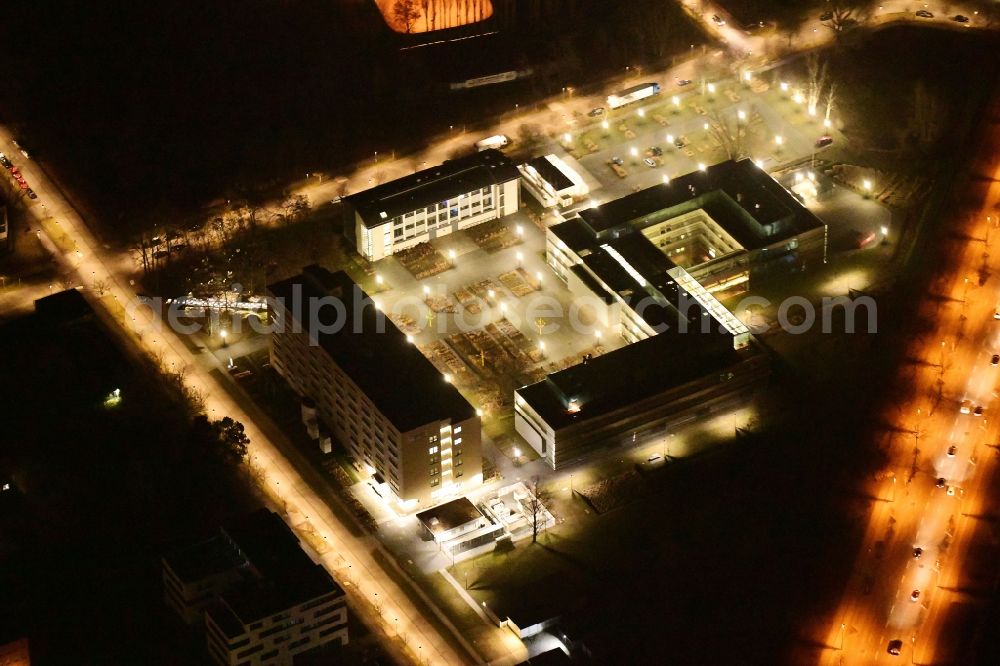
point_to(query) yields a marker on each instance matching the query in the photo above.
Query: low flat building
(373, 389)
(458, 194)
(725, 225)
(459, 526)
(267, 600)
(551, 181)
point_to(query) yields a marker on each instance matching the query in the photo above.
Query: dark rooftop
(445, 181)
(62, 307)
(740, 196)
(654, 365)
(280, 574)
(396, 377)
(449, 515)
(202, 560)
(550, 173)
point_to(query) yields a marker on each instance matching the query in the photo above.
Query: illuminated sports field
(413, 16)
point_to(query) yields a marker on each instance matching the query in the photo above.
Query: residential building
(262, 598)
(373, 389)
(458, 194)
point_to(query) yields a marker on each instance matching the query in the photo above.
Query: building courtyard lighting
(778, 140)
(866, 185)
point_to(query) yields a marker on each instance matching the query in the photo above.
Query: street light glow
(670, 138)
(378, 278)
(642, 113)
(604, 124)
(867, 185)
(427, 290)
(827, 123)
(666, 179)
(747, 76)
(779, 140)
(701, 166)
(567, 137)
(711, 88)
(784, 86)
(676, 100)
(741, 114)
(633, 151)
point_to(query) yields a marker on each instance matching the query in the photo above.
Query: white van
(497, 142)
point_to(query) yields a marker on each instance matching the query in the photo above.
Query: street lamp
(826, 123)
(711, 88)
(427, 291)
(866, 185)
(741, 114)
(784, 86)
(642, 113)
(604, 124)
(778, 140)
(519, 230)
(567, 137)
(676, 101)
(538, 276)
(701, 166)
(451, 255)
(223, 334)
(378, 279)
(633, 151)
(670, 139)
(520, 258)
(666, 179)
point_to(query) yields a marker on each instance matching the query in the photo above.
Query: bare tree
(845, 14)
(536, 507)
(731, 136)
(406, 12)
(817, 80)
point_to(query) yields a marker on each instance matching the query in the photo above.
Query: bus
(633, 94)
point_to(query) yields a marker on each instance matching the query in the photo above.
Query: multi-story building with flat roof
(374, 390)
(262, 598)
(724, 225)
(686, 354)
(458, 194)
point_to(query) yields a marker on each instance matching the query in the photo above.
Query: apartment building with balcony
(373, 389)
(262, 599)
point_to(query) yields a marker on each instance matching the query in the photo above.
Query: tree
(817, 80)
(845, 14)
(226, 437)
(406, 12)
(536, 507)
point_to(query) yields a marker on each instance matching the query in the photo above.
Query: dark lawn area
(148, 110)
(100, 493)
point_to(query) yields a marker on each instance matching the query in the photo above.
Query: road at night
(86, 263)
(928, 496)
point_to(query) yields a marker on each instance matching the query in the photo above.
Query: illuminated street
(952, 364)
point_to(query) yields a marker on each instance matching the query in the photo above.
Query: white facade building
(431, 203)
(375, 391)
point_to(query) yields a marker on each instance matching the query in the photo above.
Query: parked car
(826, 16)
(895, 646)
(995, 360)
(978, 411)
(680, 142)
(31, 193)
(6, 162)
(617, 161)
(958, 18)
(965, 407)
(917, 552)
(923, 13)
(650, 162)
(940, 483)
(655, 151)
(914, 595)
(824, 141)
(595, 112)
(952, 450)
(718, 20)
(683, 82)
